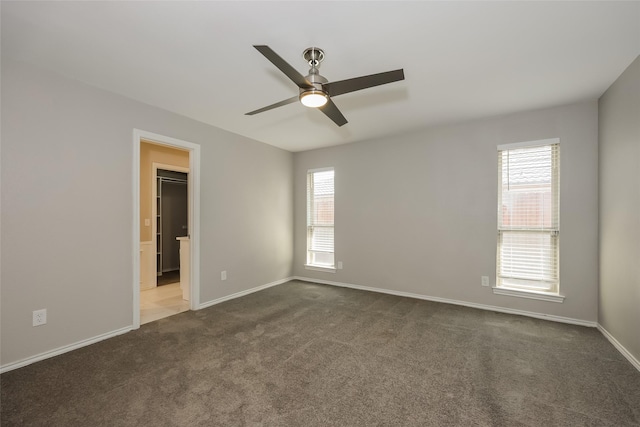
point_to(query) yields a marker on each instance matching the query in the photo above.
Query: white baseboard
(243, 293)
(635, 362)
(456, 302)
(64, 349)
(89, 341)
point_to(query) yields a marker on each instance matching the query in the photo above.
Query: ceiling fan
(315, 90)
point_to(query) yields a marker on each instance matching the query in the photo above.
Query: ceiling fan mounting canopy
(315, 90)
(313, 56)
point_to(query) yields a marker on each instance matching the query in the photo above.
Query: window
(528, 216)
(320, 191)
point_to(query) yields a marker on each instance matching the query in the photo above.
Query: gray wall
(414, 213)
(67, 212)
(417, 213)
(619, 162)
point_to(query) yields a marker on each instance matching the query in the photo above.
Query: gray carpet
(301, 354)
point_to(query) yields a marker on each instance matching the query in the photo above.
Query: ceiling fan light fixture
(313, 98)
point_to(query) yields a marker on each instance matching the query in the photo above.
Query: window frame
(509, 285)
(310, 253)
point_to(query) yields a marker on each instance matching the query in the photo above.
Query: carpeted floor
(301, 354)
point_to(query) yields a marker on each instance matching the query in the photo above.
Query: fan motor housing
(317, 81)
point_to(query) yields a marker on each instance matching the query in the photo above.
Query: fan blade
(284, 66)
(331, 111)
(272, 106)
(364, 82)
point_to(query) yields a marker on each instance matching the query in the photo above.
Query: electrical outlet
(339, 265)
(223, 275)
(39, 317)
(485, 280)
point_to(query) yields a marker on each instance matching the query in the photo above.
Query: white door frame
(194, 215)
(154, 210)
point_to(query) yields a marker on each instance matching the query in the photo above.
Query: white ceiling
(462, 60)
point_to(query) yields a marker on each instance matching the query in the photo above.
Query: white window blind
(320, 203)
(528, 218)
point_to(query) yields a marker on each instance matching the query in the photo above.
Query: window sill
(320, 268)
(542, 296)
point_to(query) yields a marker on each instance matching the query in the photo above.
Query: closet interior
(171, 222)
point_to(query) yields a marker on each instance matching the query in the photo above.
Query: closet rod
(176, 180)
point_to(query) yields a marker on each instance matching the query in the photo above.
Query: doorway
(168, 292)
(166, 240)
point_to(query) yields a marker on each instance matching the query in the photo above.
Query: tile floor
(160, 302)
